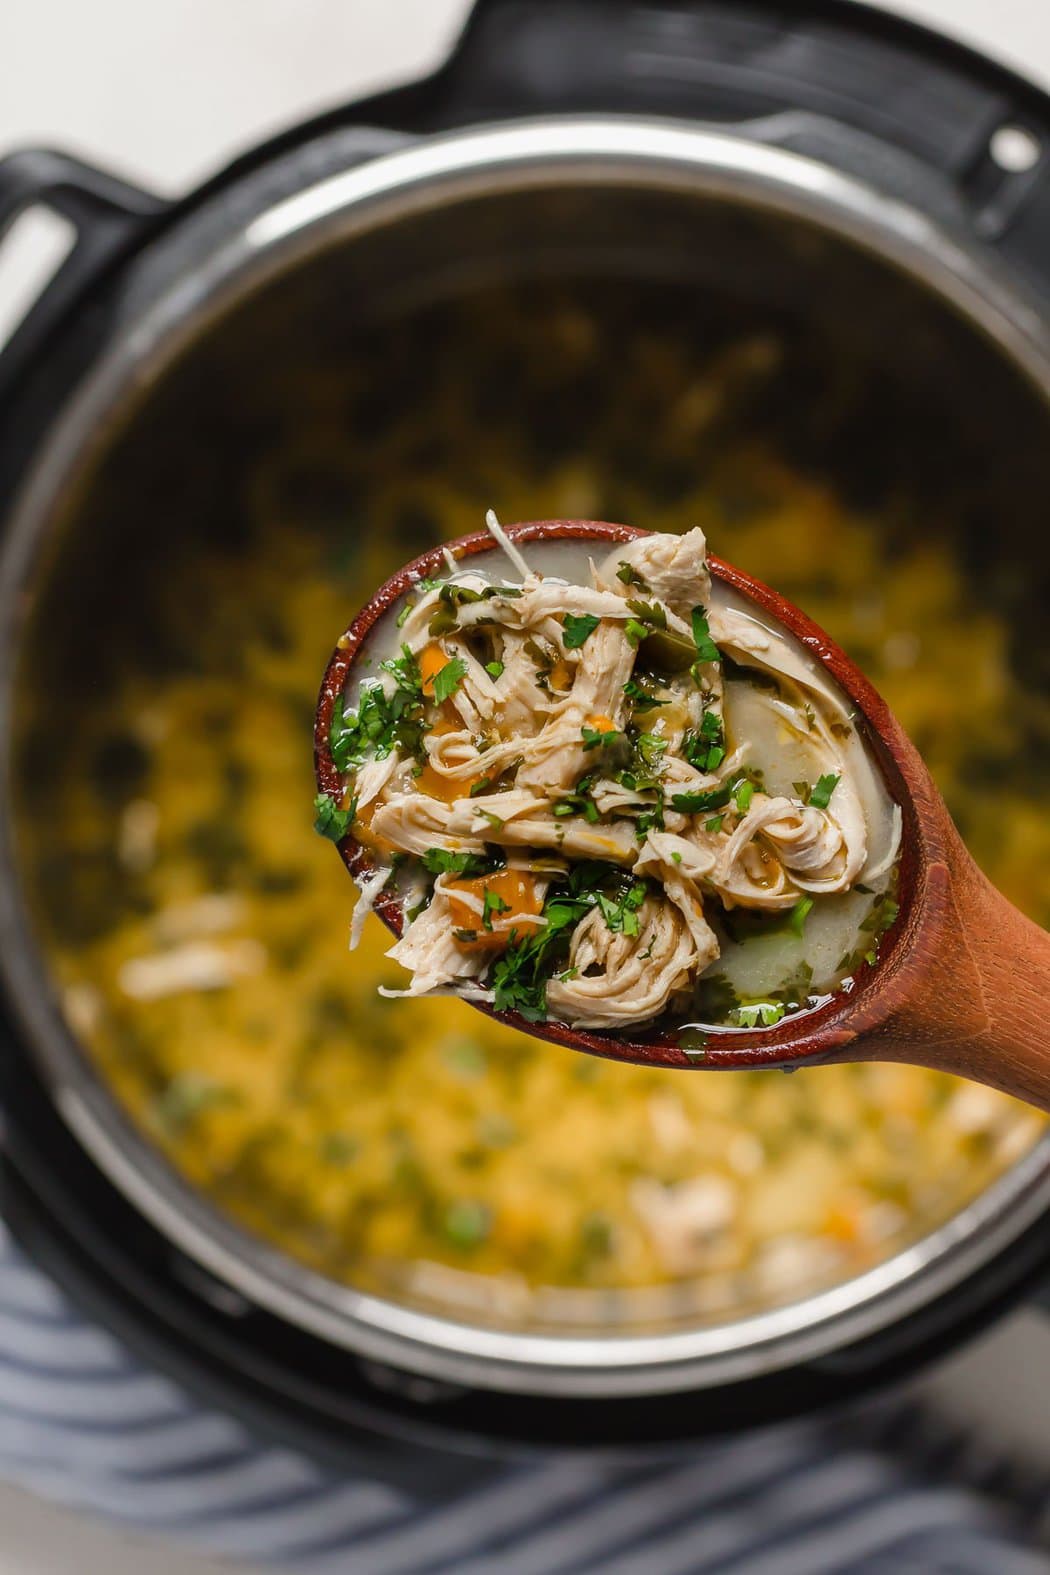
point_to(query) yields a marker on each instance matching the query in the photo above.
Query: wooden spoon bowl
(963, 978)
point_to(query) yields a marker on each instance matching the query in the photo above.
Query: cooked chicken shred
(574, 738)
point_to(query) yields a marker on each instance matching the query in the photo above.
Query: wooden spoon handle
(975, 999)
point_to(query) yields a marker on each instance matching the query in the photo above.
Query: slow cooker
(829, 159)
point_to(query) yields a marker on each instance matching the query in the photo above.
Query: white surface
(165, 92)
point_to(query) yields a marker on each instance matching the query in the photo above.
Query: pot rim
(486, 160)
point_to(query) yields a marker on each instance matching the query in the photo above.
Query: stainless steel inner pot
(625, 197)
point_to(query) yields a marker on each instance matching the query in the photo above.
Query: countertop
(167, 93)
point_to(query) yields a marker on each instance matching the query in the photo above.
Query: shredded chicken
(575, 737)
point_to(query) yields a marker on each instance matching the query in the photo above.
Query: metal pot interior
(415, 1183)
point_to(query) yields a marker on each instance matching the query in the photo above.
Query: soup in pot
(414, 1147)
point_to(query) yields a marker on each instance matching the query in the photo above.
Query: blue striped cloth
(83, 1422)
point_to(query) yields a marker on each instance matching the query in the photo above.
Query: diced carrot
(516, 888)
(601, 724)
(842, 1222)
(432, 658)
(447, 789)
(561, 675)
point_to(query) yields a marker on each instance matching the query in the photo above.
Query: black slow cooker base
(930, 108)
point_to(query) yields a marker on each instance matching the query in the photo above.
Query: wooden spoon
(963, 979)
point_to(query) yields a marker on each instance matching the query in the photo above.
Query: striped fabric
(83, 1422)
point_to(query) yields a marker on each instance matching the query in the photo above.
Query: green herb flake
(439, 861)
(706, 649)
(404, 615)
(743, 793)
(676, 857)
(342, 736)
(643, 700)
(332, 822)
(493, 903)
(482, 785)
(714, 824)
(820, 797)
(636, 632)
(649, 613)
(593, 738)
(467, 1223)
(758, 1014)
(693, 803)
(581, 802)
(799, 914)
(704, 747)
(448, 680)
(578, 629)
(495, 669)
(628, 575)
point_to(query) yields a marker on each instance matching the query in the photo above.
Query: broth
(187, 908)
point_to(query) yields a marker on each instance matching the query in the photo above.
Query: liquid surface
(187, 907)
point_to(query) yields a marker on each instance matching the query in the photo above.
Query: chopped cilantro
(650, 748)
(519, 976)
(649, 820)
(622, 914)
(820, 797)
(578, 803)
(676, 857)
(342, 735)
(706, 649)
(714, 824)
(494, 669)
(881, 916)
(439, 861)
(643, 700)
(332, 822)
(578, 629)
(493, 903)
(450, 599)
(649, 613)
(704, 748)
(382, 722)
(693, 803)
(628, 575)
(448, 680)
(758, 1014)
(743, 793)
(593, 738)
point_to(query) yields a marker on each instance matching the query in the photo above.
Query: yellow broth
(415, 1147)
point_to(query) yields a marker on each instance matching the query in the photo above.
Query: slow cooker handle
(107, 214)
